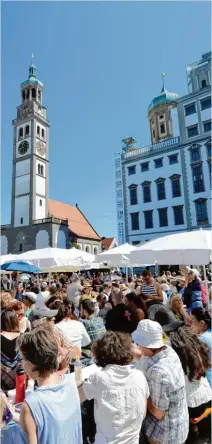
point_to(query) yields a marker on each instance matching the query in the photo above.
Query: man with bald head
(120, 317)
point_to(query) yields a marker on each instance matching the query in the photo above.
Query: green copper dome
(164, 97)
(32, 77)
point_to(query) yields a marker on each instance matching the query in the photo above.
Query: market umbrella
(117, 257)
(20, 266)
(49, 258)
(9, 258)
(187, 248)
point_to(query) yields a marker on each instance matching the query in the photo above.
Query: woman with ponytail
(194, 357)
(201, 325)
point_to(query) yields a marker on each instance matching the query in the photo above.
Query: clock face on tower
(23, 147)
(40, 148)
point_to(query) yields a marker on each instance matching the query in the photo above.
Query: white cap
(149, 334)
(31, 296)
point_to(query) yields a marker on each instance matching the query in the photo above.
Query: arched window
(27, 94)
(87, 249)
(40, 203)
(203, 83)
(22, 220)
(23, 95)
(95, 251)
(153, 133)
(21, 248)
(27, 130)
(162, 128)
(39, 169)
(39, 95)
(42, 133)
(38, 130)
(21, 133)
(33, 93)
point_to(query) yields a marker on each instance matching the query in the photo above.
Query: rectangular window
(201, 212)
(207, 126)
(134, 221)
(195, 154)
(173, 159)
(148, 219)
(198, 179)
(161, 190)
(144, 167)
(135, 242)
(158, 163)
(147, 193)
(203, 83)
(209, 151)
(162, 128)
(178, 215)
(192, 131)
(206, 103)
(133, 196)
(209, 168)
(176, 189)
(131, 170)
(163, 217)
(190, 109)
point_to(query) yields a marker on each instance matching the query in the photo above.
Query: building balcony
(50, 220)
(151, 148)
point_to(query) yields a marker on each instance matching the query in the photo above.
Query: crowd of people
(150, 338)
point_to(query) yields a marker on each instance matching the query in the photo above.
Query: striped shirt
(149, 290)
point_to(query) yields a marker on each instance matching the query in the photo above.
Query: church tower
(161, 115)
(30, 155)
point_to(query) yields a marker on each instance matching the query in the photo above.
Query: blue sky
(100, 64)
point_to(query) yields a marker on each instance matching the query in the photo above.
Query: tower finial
(163, 87)
(32, 69)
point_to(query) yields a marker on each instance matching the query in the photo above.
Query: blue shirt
(206, 337)
(56, 412)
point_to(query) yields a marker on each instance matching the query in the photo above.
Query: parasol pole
(205, 279)
(127, 274)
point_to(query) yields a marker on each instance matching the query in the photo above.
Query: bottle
(20, 386)
(78, 371)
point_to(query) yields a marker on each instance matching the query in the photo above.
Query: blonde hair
(6, 299)
(171, 299)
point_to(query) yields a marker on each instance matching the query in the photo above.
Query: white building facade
(164, 188)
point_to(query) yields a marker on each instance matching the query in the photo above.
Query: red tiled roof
(77, 222)
(106, 242)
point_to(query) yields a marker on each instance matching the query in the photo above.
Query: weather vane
(163, 75)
